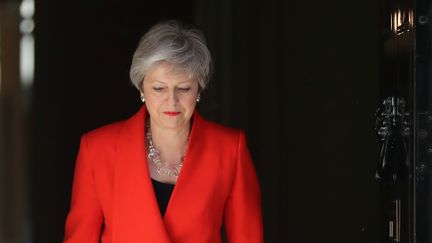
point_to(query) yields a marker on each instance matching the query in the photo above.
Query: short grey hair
(182, 46)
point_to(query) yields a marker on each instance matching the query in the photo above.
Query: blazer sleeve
(84, 221)
(243, 216)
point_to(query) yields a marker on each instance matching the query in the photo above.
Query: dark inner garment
(163, 193)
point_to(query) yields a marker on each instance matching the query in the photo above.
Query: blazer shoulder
(104, 134)
(221, 131)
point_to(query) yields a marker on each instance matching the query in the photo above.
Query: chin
(173, 125)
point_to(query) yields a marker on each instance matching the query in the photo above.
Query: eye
(157, 89)
(185, 89)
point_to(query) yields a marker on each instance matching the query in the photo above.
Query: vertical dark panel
(423, 117)
(14, 203)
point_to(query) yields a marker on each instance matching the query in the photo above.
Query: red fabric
(113, 197)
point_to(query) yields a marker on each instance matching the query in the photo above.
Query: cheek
(152, 105)
(190, 102)
(190, 109)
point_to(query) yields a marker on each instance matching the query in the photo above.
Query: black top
(163, 193)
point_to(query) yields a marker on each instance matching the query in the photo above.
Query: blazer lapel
(188, 183)
(136, 214)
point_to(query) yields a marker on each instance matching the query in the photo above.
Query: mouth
(172, 113)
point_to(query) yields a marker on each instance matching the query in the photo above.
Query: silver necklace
(153, 155)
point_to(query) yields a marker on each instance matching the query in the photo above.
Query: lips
(172, 113)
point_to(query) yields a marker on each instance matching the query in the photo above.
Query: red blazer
(113, 197)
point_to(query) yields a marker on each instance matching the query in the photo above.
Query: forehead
(168, 73)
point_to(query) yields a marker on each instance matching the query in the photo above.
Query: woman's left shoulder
(218, 130)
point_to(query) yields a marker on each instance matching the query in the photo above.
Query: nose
(172, 98)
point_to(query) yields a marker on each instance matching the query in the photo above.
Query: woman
(166, 174)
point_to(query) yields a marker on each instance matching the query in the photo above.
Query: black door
(404, 122)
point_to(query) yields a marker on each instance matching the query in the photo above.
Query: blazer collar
(135, 207)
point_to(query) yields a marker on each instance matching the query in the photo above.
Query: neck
(169, 138)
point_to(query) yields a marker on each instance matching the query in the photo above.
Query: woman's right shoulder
(106, 134)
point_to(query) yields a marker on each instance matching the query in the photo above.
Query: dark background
(300, 77)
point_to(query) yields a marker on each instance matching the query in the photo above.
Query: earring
(198, 98)
(142, 99)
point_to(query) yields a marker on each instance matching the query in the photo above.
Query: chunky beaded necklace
(153, 155)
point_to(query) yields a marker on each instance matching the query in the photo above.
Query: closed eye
(184, 89)
(157, 89)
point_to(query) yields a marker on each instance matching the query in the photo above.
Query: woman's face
(170, 96)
